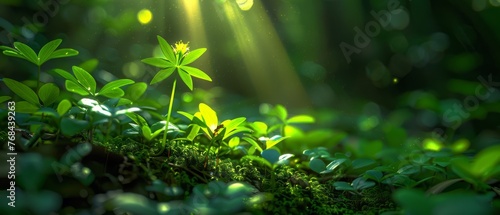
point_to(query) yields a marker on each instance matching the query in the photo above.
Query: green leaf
(409, 169)
(209, 116)
(413, 201)
(253, 143)
(274, 140)
(361, 183)
(186, 78)
(65, 75)
(47, 50)
(112, 89)
(187, 115)
(195, 72)
(138, 119)
(334, 164)
(158, 62)
(114, 93)
(317, 165)
(375, 175)
(280, 112)
(4, 99)
(27, 52)
(135, 91)
(230, 125)
(342, 185)
(76, 88)
(260, 127)
(60, 53)
(166, 49)
(301, 119)
(362, 162)
(22, 91)
(63, 107)
(270, 155)
(194, 132)
(6, 48)
(485, 161)
(233, 142)
(26, 107)
(192, 56)
(85, 79)
(146, 132)
(14, 54)
(162, 74)
(71, 127)
(89, 65)
(48, 93)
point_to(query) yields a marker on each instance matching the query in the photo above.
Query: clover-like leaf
(46, 51)
(60, 53)
(112, 89)
(76, 88)
(27, 52)
(85, 79)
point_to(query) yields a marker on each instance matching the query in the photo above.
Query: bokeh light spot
(245, 4)
(144, 16)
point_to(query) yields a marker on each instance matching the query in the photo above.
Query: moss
(293, 191)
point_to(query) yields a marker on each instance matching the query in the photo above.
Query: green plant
(206, 119)
(176, 59)
(47, 52)
(82, 83)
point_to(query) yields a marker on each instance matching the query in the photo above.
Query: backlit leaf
(112, 89)
(158, 62)
(209, 116)
(301, 119)
(195, 72)
(192, 56)
(63, 107)
(22, 91)
(76, 88)
(166, 49)
(60, 53)
(47, 50)
(85, 79)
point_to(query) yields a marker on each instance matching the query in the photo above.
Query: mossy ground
(130, 166)
(289, 190)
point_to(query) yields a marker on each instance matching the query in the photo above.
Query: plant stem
(164, 142)
(38, 80)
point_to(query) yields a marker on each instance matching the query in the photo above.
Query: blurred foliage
(402, 98)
